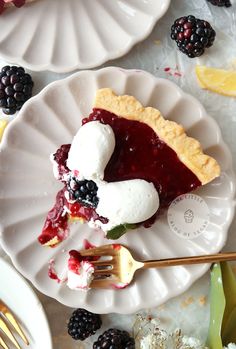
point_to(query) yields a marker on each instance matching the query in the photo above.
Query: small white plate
(62, 36)
(28, 190)
(21, 299)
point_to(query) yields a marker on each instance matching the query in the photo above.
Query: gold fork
(121, 266)
(6, 316)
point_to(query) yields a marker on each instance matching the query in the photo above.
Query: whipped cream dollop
(125, 202)
(80, 277)
(131, 201)
(91, 150)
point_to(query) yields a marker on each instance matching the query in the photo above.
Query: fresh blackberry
(60, 157)
(15, 88)
(84, 191)
(192, 35)
(114, 339)
(83, 324)
(220, 3)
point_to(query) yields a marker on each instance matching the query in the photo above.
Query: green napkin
(222, 330)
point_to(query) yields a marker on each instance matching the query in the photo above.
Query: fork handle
(169, 262)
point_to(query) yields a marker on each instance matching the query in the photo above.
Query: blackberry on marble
(115, 339)
(15, 88)
(83, 191)
(220, 3)
(83, 324)
(192, 35)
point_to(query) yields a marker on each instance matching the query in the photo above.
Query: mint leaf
(119, 230)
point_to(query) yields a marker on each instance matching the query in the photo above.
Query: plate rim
(106, 58)
(10, 267)
(201, 271)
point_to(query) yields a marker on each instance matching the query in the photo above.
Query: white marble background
(154, 54)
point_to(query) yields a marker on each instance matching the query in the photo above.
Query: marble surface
(190, 311)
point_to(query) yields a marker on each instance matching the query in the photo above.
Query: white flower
(153, 341)
(191, 343)
(149, 335)
(231, 346)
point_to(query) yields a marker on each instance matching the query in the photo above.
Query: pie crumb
(202, 301)
(186, 302)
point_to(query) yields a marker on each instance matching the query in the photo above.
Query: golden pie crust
(53, 242)
(188, 149)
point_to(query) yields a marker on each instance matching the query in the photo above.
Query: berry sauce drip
(85, 213)
(140, 154)
(76, 258)
(56, 224)
(60, 157)
(192, 35)
(52, 272)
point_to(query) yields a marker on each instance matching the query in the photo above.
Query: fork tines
(7, 319)
(3, 344)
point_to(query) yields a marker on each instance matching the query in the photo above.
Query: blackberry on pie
(83, 191)
(192, 35)
(15, 88)
(142, 150)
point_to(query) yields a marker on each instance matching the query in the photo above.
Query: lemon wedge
(3, 124)
(217, 80)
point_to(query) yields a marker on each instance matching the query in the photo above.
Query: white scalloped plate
(21, 299)
(62, 36)
(28, 189)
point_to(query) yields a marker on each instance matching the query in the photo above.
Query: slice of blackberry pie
(124, 165)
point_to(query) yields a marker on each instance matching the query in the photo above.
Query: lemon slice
(217, 80)
(3, 124)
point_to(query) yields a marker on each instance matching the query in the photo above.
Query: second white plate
(21, 299)
(28, 190)
(62, 36)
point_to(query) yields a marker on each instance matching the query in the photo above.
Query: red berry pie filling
(7, 3)
(124, 164)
